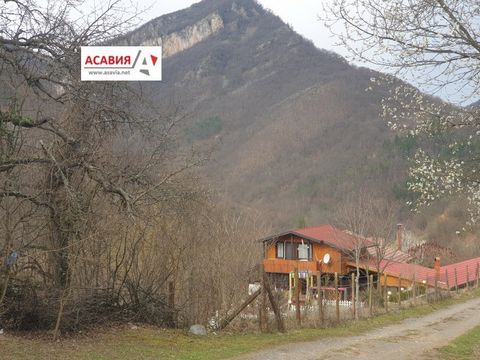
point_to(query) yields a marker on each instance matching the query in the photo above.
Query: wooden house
(331, 250)
(309, 250)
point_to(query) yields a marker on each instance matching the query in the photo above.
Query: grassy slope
(464, 347)
(148, 343)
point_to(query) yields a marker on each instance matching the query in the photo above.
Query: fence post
(436, 286)
(414, 289)
(297, 297)
(320, 297)
(399, 291)
(260, 314)
(337, 298)
(468, 278)
(456, 280)
(447, 281)
(385, 291)
(379, 284)
(370, 291)
(273, 302)
(354, 305)
(477, 276)
(263, 323)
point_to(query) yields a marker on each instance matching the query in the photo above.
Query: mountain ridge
(277, 96)
(293, 127)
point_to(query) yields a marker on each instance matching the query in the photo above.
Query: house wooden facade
(308, 250)
(331, 250)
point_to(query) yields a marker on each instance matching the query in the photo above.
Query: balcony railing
(287, 266)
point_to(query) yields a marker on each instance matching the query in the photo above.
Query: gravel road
(414, 338)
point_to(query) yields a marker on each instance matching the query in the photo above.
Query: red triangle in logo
(154, 59)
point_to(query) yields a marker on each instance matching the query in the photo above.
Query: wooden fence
(325, 306)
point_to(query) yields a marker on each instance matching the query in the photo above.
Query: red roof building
(331, 250)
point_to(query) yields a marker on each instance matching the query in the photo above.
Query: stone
(198, 330)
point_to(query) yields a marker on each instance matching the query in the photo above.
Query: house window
(290, 251)
(280, 250)
(293, 251)
(304, 252)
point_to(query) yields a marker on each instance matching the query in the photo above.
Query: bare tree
(437, 42)
(353, 215)
(371, 220)
(383, 215)
(104, 213)
(75, 154)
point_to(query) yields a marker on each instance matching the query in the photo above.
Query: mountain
(293, 127)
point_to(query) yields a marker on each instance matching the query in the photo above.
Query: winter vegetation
(129, 203)
(102, 219)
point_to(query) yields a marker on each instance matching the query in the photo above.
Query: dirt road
(410, 339)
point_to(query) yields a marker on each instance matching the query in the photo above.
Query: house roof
(403, 270)
(394, 263)
(407, 271)
(427, 275)
(462, 268)
(466, 272)
(391, 252)
(326, 234)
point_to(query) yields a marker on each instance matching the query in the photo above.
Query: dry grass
(154, 343)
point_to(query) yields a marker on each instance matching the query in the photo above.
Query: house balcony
(287, 266)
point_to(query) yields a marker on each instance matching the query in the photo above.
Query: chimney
(399, 237)
(437, 267)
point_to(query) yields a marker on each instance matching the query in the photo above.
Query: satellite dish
(326, 258)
